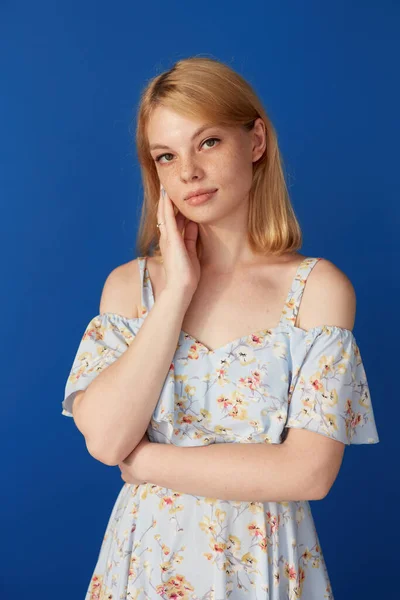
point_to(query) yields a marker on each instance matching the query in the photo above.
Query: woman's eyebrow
(196, 133)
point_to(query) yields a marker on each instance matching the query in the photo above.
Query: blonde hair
(205, 88)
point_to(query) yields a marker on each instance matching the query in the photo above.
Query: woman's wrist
(154, 459)
(148, 460)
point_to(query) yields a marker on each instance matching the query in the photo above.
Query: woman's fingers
(182, 269)
(174, 223)
(169, 214)
(161, 211)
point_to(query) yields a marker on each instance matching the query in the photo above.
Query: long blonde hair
(205, 88)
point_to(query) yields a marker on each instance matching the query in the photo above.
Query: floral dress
(161, 543)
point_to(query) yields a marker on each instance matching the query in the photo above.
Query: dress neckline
(288, 314)
(282, 327)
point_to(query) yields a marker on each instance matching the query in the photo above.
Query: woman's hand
(133, 466)
(180, 261)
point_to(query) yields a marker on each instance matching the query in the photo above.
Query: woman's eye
(211, 140)
(158, 159)
(161, 155)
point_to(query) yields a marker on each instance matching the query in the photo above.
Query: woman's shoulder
(121, 292)
(329, 297)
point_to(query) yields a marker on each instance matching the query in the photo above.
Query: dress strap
(147, 297)
(293, 300)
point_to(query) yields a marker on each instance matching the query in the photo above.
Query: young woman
(223, 387)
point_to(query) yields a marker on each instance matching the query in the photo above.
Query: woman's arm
(116, 408)
(235, 471)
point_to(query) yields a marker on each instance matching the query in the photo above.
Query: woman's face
(217, 157)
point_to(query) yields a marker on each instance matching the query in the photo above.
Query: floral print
(160, 543)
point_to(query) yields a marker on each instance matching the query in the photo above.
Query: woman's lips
(195, 200)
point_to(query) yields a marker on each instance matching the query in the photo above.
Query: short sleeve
(105, 338)
(329, 392)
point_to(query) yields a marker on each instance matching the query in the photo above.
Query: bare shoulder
(122, 290)
(328, 299)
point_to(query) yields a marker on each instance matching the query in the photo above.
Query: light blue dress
(160, 543)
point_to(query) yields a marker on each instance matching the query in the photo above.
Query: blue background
(71, 75)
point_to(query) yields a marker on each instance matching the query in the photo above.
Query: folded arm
(292, 471)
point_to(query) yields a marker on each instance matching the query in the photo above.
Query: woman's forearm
(231, 471)
(116, 408)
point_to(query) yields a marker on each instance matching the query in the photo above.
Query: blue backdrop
(71, 75)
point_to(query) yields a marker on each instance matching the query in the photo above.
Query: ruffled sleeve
(329, 391)
(105, 338)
